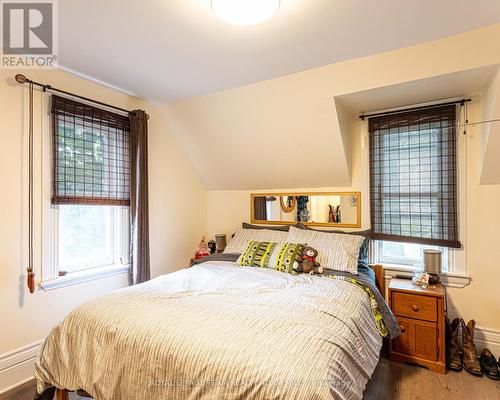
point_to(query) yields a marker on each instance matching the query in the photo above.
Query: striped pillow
(336, 251)
(239, 242)
(257, 254)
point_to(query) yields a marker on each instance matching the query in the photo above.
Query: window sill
(449, 279)
(76, 278)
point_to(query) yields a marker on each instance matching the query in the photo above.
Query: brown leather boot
(453, 359)
(471, 363)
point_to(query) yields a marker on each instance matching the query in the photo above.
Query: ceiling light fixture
(245, 12)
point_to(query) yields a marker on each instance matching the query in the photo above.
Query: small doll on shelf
(202, 250)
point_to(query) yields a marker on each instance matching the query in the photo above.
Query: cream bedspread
(217, 331)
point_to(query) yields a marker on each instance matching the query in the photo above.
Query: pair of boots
(467, 358)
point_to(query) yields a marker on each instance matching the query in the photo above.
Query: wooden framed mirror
(339, 209)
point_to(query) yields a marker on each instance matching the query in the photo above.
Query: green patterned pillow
(271, 255)
(287, 255)
(257, 254)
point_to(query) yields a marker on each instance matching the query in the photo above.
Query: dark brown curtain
(139, 207)
(259, 207)
(413, 175)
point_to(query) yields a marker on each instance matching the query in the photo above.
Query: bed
(218, 331)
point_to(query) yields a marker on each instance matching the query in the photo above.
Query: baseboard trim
(483, 337)
(489, 338)
(16, 367)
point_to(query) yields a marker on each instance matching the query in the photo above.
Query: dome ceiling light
(245, 12)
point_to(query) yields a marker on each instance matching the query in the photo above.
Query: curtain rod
(22, 79)
(449, 103)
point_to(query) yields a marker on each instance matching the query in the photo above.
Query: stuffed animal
(307, 262)
(211, 246)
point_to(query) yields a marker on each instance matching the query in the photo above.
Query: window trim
(50, 276)
(449, 278)
(82, 276)
(45, 214)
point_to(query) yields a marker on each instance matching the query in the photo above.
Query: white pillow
(336, 251)
(239, 242)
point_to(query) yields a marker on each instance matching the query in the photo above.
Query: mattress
(217, 331)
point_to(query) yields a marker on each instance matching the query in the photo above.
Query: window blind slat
(91, 154)
(413, 189)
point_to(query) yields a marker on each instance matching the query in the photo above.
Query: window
(91, 237)
(90, 187)
(91, 155)
(405, 254)
(413, 186)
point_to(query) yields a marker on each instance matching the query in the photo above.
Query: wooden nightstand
(421, 316)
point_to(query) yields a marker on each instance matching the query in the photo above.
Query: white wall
(490, 145)
(227, 209)
(177, 216)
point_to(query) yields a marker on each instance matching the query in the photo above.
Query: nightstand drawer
(414, 306)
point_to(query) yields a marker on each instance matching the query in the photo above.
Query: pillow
(287, 254)
(363, 251)
(239, 242)
(283, 228)
(257, 254)
(271, 255)
(336, 251)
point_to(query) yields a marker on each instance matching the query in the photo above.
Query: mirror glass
(328, 209)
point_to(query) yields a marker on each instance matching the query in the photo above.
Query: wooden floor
(407, 382)
(390, 381)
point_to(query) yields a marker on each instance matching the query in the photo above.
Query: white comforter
(217, 331)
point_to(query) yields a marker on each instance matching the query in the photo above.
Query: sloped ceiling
(261, 138)
(442, 87)
(490, 171)
(175, 49)
(295, 131)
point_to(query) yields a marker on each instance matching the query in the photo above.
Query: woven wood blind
(413, 176)
(91, 155)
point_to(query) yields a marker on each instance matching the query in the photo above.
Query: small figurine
(202, 250)
(307, 262)
(421, 279)
(331, 214)
(212, 246)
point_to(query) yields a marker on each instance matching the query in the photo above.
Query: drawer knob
(414, 307)
(403, 329)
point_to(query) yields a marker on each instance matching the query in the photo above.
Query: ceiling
(282, 133)
(442, 87)
(174, 49)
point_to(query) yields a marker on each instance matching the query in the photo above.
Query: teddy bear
(307, 262)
